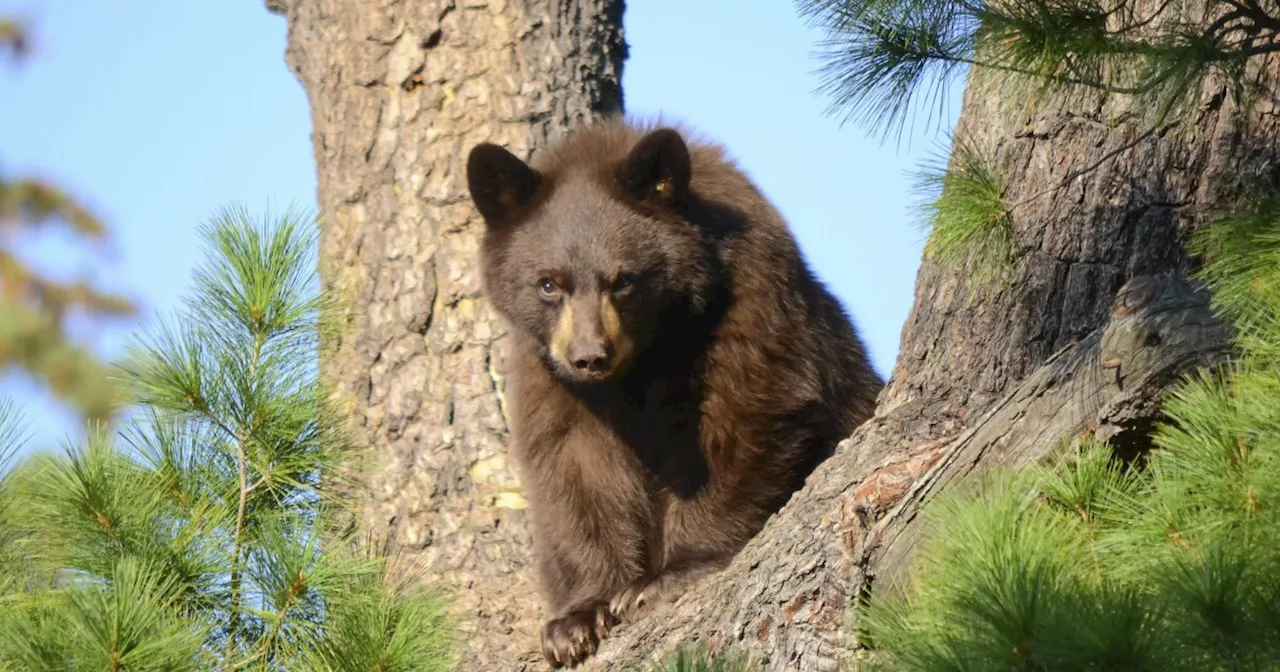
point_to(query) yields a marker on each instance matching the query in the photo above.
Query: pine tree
(1167, 563)
(212, 533)
(33, 307)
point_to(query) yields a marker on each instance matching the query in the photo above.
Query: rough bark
(1094, 326)
(399, 91)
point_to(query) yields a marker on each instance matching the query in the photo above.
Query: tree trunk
(1095, 326)
(399, 91)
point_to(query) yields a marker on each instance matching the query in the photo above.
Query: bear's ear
(657, 170)
(500, 183)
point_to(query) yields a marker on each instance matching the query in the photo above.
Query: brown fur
(657, 424)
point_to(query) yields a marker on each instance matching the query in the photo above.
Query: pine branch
(242, 465)
(881, 54)
(233, 614)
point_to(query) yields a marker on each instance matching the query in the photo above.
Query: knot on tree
(1155, 318)
(1162, 326)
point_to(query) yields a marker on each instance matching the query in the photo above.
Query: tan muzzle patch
(619, 341)
(601, 321)
(562, 336)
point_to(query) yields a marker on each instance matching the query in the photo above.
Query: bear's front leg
(575, 634)
(580, 575)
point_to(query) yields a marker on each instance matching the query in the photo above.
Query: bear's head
(592, 255)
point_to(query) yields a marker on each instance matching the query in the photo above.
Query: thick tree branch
(853, 528)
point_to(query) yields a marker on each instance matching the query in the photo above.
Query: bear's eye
(548, 288)
(624, 282)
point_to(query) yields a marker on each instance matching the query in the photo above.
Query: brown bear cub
(676, 369)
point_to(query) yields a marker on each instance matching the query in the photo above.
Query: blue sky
(158, 113)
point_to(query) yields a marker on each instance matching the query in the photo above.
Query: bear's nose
(592, 357)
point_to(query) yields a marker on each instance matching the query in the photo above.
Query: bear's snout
(589, 340)
(590, 356)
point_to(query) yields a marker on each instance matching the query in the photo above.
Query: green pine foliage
(882, 56)
(963, 210)
(210, 533)
(1245, 249)
(1092, 564)
(34, 307)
